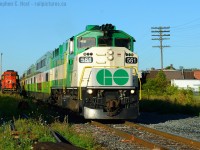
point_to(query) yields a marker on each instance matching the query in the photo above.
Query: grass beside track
(169, 104)
(37, 128)
(42, 117)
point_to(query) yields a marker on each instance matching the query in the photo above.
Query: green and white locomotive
(94, 73)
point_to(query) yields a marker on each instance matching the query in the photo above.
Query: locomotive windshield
(86, 42)
(105, 41)
(119, 42)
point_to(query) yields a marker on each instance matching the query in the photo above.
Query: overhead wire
(185, 32)
(184, 24)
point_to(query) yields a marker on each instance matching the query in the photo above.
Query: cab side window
(120, 42)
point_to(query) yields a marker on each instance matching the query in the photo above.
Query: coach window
(47, 77)
(43, 62)
(120, 42)
(37, 67)
(56, 52)
(86, 42)
(105, 41)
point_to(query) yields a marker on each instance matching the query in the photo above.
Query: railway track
(148, 138)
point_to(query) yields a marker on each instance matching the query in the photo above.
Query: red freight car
(10, 82)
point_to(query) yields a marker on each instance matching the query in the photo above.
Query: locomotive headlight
(89, 91)
(110, 57)
(132, 91)
(110, 52)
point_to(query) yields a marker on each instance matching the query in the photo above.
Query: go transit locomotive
(94, 73)
(10, 82)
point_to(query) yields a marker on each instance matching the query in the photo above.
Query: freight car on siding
(94, 73)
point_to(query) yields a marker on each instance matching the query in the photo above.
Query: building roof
(197, 74)
(172, 74)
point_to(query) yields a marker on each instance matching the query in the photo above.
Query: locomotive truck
(94, 73)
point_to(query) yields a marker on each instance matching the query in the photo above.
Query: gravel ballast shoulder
(181, 125)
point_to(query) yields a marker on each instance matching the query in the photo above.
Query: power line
(184, 24)
(160, 33)
(195, 46)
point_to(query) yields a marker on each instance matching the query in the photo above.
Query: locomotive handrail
(83, 71)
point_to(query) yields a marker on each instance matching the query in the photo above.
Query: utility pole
(159, 33)
(1, 64)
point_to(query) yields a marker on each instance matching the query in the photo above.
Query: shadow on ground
(154, 117)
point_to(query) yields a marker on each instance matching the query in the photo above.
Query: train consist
(10, 82)
(94, 73)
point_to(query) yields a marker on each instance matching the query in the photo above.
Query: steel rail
(166, 135)
(129, 137)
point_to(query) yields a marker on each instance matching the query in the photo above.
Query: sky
(30, 28)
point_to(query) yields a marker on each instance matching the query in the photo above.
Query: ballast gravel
(178, 124)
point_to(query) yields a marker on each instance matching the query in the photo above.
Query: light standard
(1, 64)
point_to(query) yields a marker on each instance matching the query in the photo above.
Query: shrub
(184, 96)
(156, 86)
(171, 90)
(159, 87)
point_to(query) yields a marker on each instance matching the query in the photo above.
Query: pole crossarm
(160, 38)
(160, 31)
(162, 46)
(160, 27)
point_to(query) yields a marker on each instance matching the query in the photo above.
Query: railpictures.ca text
(33, 3)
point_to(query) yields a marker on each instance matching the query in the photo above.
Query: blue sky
(27, 32)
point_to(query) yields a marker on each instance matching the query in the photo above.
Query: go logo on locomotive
(107, 77)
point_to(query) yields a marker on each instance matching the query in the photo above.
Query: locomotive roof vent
(10, 71)
(104, 27)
